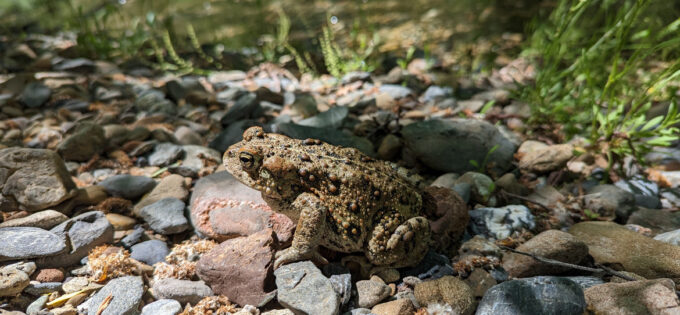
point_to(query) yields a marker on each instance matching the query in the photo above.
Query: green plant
(594, 75)
(355, 55)
(482, 167)
(403, 63)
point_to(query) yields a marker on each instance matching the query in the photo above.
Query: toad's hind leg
(406, 246)
(308, 233)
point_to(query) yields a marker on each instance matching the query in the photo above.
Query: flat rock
(303, 289)
(547, 159)
(183, 291)
(40, 288)
(166, 216)
(332, 136)
(551, 244)
(128, 186)
(634, 297)
(450, 145)
(659, 221)
(197, 158)
(29, 242)
(241, 268)
(120, 222)
(612, 244)
(170, 186)
(165, 154)
(33, 179)
(127, 297)
(82, 233)
(45, 219)
(149, 252)
(162, 307)
(499, 223)
(446, 290)
(538, 295)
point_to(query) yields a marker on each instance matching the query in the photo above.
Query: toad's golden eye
(247, 159)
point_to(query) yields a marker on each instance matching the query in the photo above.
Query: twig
(509, 194)
(104, 304)
(599, 269)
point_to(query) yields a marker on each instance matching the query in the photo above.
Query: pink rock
(49, 275)
(241, 268)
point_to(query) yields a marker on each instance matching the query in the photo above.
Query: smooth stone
(170, 186)
(434, 93)
(86, 140)
(39, 179)
(302, 288)
(551, 244)
(82, 233)
(35, 94)
(128, 186)
(481, 187)
(165, 154)
(659, 221)
(45, 219)
(28, 242)
(332, 136)
(635, 297)
(241, 268)
(610, 201)
(550, 158)
(40, 288)
(37, 305)
(162, 307)
(538, 295)
(612, 244)
(120, 222)
(370, 293)
(166, 216)
(499, 223)
(133, 238)
(187, 136)
(246, 106)
(332, 118)
(149, 252)
(49, 275)
(127, 296)
(396, 307)
(450, 145)
(183, 291)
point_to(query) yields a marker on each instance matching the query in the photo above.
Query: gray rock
(610, 201)
(82, 233)
(128, 186)
(646, 192)
(659, 221)
(153, 101)
(197, 157)
(481, 187)
(332, 136)
(28, 242)
(332, 118)
(232, 134)
(34, 179)
(133, 238)
(150, 252)
(46, 219)
(127, 295)
(166, 216)
(450, 145)
(162, 307)
(586, 281)
(37, 305)
(40, 288)
(302, 288)
(672, 237)
(12, 281)
(370, 293)
(170, 186)
(245, 107)
(183, 291)
(434, 93)
(35, 94)
(537, 295)
(499, 223)
(354, 76)
(341, 279)
(28, 267)
(395, 91)
(85, 141)
(187, 136)
(165, 154)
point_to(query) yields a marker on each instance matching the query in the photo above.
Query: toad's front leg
(310, 228)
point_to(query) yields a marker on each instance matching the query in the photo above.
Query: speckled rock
(499, 223)
(162, 307)
(45, 219)
(446, 290)
(551, 244)
(370, 293)
(29, 242)
(183, 291)
(12, 281)
(127, 296)
(396, 307)
(636, 297)
(302, 288)
(49, 275)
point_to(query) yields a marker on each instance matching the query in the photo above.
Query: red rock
(241, 268)
(49, 275)
(448, 215)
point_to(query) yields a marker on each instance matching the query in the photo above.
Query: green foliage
(346, 57)
(594, 75)
(403, 63)
(482, 167)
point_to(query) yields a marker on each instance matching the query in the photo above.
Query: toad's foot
(292, 254)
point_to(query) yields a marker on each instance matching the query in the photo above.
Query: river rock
(166, 216)
(446, 290)
(659, 221)
(499, 223)
(12, 281)
(634, 297)
(241, 268)
(165, 154)
(170, 186)
(45, 219)
(127, 296)
(303, 289)
(149, 252)
(82, 233)
(547, 159)
(612, 244)
(396, 307)
(183, 291)
(551, 244)
(538, 295)
(450, 145)
(128, 186)
(370, 293)
(162, 307)
(610, 201)
(29, 242)
(33, 179)
(86, 140)
(35, 94)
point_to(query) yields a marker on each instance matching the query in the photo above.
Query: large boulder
(635, 297)
(33, 179)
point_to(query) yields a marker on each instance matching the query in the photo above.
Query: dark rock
(128, 186)
(332, 136)
(166, 216)
(245, 107)
(659, 221)
(232, 134)
(86, 140)
(133, 238)
(40, 288)
(610, 201)
(538, 295)
(28, 242)
(153, 101)
(150, 252)
(35, 94)
(332, 118)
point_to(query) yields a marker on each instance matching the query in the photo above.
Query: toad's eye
(247, 159)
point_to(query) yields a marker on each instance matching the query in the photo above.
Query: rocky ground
(114, 199)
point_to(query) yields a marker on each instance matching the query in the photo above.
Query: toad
(340, 198)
